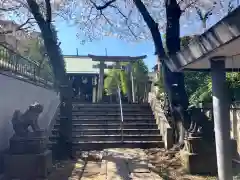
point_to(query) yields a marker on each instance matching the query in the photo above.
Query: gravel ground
(168, 165)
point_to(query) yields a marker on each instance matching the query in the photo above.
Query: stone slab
(138, 167)
(103, 172)
(28, 166)
(92, 170)
(78, 169)
(145, 176)
(117, 169)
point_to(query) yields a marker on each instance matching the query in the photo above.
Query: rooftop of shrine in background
(87, 64)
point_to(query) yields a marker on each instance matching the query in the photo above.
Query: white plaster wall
(235, 125)
(18, 94)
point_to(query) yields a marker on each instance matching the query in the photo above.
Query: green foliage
(199, 86)
(124, 82)
(116, 76)
(112, 81)
(35, 50)
(140, 74)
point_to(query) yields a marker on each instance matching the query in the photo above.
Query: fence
(166, 130)
(12, 62)
(234, 120)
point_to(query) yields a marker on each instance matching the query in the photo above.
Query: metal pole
(221, 119)
(121, 111)
(105, 51)
(133, 88)
(120, 98)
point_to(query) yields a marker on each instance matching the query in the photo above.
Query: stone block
(26, 145)
(168, 138)
(202, 163)
(28, 166)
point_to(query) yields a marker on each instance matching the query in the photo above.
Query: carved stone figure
(200, 124)
(21, 121)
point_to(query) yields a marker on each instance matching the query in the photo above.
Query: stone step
(86, 138)
(111, 131)
(109, 118)
(111, 121)
(99, 145)
(104, 114)
(109, 104)
(102, 109)
(110, 107)
(77, 126)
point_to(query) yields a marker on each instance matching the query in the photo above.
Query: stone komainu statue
(21, 121)
(200, 124)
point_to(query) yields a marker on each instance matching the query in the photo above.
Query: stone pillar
(132, 83)
(221, 118)
(100, 81)
(129, 90)
(94, 93)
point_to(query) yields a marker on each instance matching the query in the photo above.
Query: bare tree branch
(126, 20)
(9, 9)
(100, 8)
(189, 5)
(19, 28)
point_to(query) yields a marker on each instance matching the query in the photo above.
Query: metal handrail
(121, 111)
(14, 62)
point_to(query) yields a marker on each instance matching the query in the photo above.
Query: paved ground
(116, 164)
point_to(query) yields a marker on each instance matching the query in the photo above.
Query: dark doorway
(82, 85)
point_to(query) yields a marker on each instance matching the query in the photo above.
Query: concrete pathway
(116, 164)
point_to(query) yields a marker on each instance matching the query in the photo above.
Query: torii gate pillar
(100, 81)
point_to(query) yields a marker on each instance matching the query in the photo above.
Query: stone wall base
(28, 166)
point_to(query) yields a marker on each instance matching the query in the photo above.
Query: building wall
(235, 124)
(19, 94)
(82, 64)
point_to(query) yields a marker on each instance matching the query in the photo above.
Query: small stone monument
(199, 153)
(28, 157)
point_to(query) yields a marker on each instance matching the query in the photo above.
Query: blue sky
(69, 43)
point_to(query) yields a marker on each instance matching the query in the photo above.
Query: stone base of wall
(198, 163)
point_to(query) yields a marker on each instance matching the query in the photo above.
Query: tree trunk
(56, 59)
(173, 82)
(49, 35)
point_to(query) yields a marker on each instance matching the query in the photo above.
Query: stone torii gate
(116, 60)
(216, 51)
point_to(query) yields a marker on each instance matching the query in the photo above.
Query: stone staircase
(98, 126)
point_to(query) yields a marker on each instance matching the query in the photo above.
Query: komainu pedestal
(28, 166)
(28, 157)
(34, 143)
(199, 157)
